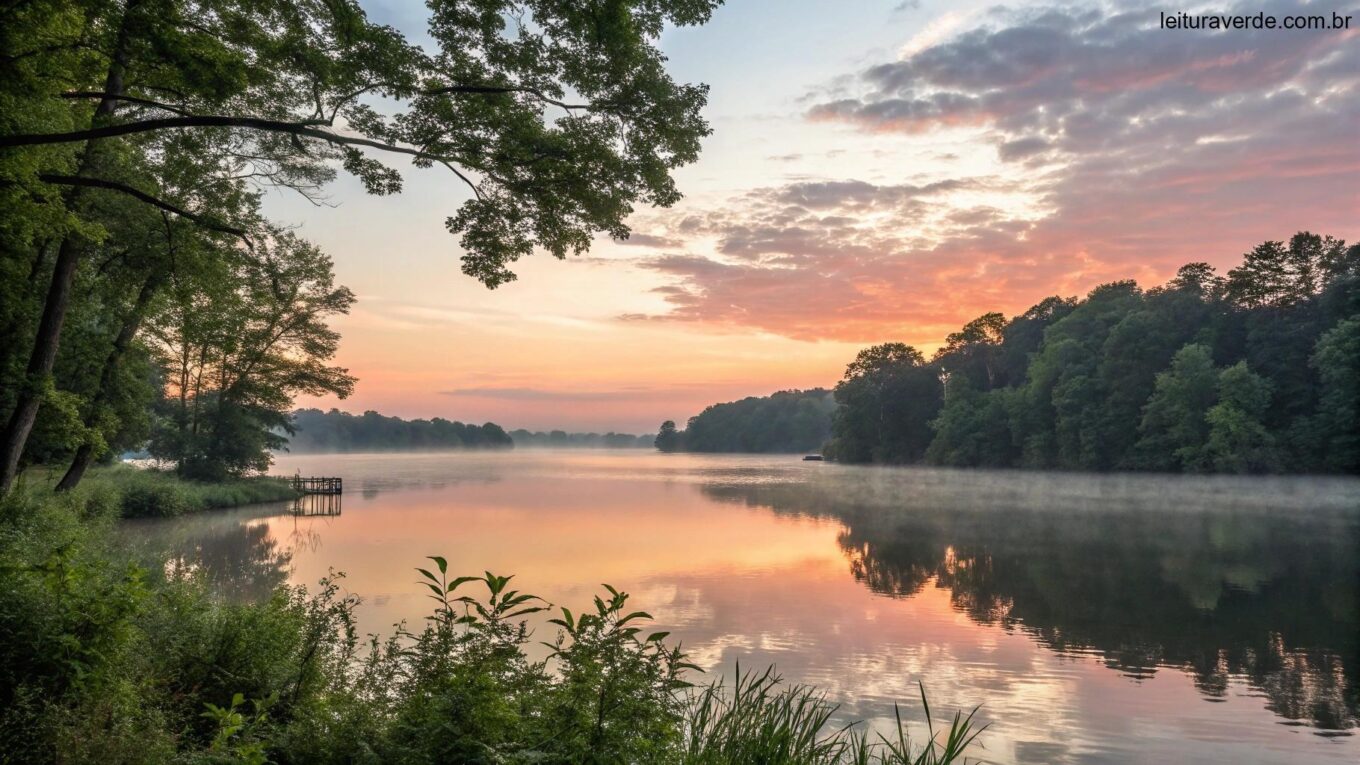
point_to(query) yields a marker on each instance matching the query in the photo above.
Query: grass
(149, 493)
(762, 720)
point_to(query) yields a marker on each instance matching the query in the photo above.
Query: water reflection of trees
(1218, 587)
(238, 558)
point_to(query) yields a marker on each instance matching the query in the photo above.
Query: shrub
(153, 499)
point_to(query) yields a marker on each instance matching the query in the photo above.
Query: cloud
(636, 239)
(1125, 151)
(548, 395)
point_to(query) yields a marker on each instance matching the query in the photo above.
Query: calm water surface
(1096, 619)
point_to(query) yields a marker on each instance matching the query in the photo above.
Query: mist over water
(1096, 619)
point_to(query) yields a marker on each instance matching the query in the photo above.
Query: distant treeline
(337, 431)
(1258, 371)
(558, 439)
(787, 421)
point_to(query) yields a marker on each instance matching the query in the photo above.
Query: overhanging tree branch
(129, 99)
(100, 183)
(307, 128)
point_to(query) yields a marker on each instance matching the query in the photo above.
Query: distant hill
(337, 431)
(784, 422)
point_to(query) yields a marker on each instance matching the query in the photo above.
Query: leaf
(440, 562)
(428, 575)
(657, 637)
(460, 581)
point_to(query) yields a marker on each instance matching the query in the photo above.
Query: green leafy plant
(235, 729)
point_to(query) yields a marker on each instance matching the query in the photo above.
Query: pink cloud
(1147, 148)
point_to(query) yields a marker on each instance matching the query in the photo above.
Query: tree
(1025, 333)
(668, 438)
(1337, 363)
(1065, 391)
(969, 356)
(1174, 429)
(887, 399)
(247, 335)
(262, 87)
(974, 429)
(1238, 439)
(1276, 275)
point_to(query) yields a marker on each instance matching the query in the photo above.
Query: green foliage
(1238, 439)
(153, 499)
(560, 439)
(887, 399)
(1174, 427)
(1337, 426)
(243, 336)
(975, 429)
(1126, 378)
(336, 431)
(59, 429)
(762, 720)
(488, 100)
(787, 421)
(129, 492)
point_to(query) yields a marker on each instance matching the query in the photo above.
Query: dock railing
(317, 485)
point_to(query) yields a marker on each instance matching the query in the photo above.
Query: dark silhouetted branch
(100, 183)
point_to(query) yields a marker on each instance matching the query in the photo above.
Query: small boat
(813, 458)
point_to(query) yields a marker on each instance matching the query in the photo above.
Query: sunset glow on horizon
(878, 171)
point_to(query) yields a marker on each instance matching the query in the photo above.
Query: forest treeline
(560, 439)
(337, 431)
(1254, 371)
(787, 421)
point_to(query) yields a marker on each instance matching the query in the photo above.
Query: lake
(1095, 619)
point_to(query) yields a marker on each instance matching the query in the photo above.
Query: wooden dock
(315, 485)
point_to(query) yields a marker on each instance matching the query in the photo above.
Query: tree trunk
(39, 364)
(133, 322)
(44, 354)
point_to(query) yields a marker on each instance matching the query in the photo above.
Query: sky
(878, 171)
